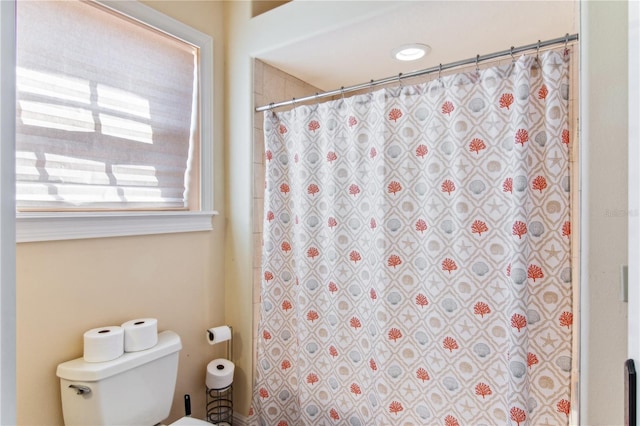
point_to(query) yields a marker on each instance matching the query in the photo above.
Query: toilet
(134, 389)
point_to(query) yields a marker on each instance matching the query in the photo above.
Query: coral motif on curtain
(416, 254)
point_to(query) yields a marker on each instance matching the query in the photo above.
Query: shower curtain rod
(566, 39)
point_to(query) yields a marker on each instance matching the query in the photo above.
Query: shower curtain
(416, 254)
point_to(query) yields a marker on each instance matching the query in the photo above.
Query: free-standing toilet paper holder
(220, 401)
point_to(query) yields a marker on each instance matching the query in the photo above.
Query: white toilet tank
(135, 389)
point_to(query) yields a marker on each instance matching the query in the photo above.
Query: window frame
(52, 226)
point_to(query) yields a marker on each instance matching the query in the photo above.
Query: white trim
(7, 214)
(70, 226)
(65, 226)
(158, 20)
(206, 125)
(239, 419)
(584, 306)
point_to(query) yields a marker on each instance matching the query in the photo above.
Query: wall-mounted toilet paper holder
(222, 334)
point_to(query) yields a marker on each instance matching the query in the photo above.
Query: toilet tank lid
(80, 370)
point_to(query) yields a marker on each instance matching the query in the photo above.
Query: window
(113, 133)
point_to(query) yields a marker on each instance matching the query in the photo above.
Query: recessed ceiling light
(410, 52)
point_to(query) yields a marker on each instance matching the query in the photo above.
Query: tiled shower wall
(269, 85)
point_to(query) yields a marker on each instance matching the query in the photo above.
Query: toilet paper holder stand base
(220, 401)
(220, 405)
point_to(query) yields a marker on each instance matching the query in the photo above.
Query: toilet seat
(190, 421)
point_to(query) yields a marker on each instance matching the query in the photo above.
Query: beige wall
(239, 201)
(259, 7)
(65, 288)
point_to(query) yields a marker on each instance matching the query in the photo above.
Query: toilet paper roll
(218, 334)
(219, 373)
(103, 344)
(140, 334)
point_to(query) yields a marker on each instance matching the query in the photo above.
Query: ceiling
(360, 49)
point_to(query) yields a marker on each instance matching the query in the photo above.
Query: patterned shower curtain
(416, 254)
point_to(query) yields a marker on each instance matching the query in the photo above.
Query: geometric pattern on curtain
(416, 254)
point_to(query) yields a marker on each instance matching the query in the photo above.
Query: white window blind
(107, 112)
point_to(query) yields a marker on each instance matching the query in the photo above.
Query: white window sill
(32, 227)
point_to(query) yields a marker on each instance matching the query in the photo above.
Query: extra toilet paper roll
(140, 334)
(220, 373)
(103, 344)
(218, 334)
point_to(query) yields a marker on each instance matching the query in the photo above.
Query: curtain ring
(477, 67)
(538, 52)
(512, 58)
(342, 92)
(566, 41)
(440, 73)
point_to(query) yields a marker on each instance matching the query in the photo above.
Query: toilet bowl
(134, 389)
(190, 421)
